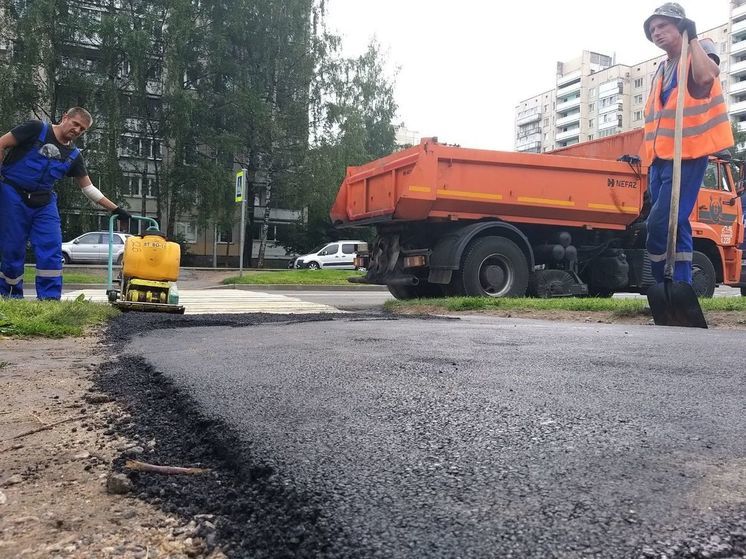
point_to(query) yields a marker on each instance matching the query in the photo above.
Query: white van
(339, 255)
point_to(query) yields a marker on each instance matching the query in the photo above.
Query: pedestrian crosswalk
(226, 301)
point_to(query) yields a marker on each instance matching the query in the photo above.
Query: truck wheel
(423, 290)
(495, 267)
(703, 275)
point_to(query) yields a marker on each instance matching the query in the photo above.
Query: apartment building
(594, 96)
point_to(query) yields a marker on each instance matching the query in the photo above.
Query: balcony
(528, 119)
(611, 108)
(606, 125)
(534, 147)
(738, 108)
(568, 89)
(737, 87)
(739, 27)
(738, 12)
(567, 105)
(738, 68)
(567, 78)
(572, 133)
(739, 47)
(569, 119)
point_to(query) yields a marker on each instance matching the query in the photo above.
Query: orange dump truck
(457, 221)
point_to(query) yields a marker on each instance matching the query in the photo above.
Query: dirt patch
(730, 320)
(57, 446)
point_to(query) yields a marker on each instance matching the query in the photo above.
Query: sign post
(241, 198)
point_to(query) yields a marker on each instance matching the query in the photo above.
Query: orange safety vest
(706, 127)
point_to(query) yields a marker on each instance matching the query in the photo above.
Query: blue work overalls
(35, 172)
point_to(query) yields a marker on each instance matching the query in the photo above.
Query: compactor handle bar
(113, 217)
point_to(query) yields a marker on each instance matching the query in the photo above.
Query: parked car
(94, 247)
(339, 255)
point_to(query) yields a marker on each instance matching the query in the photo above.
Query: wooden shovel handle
(673, 216)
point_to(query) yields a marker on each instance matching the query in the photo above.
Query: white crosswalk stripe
(226, 301)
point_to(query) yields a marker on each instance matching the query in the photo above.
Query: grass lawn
(295, 277)
(51, 319)
(618, 307)
(29, 274)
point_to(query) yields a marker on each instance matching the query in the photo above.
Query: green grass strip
(619, 307)
(295, 277)
(51, 319)
(29, 275)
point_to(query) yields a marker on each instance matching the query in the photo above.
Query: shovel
(674, 303)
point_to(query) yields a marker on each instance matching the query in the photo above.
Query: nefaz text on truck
(458, 221)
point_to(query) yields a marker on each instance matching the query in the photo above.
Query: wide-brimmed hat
(670, 10)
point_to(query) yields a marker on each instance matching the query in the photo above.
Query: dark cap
(670, 10)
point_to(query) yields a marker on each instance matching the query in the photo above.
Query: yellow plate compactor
(150, 268)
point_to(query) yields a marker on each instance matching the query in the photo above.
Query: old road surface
(371, 436)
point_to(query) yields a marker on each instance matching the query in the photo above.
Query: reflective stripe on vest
(706, 127)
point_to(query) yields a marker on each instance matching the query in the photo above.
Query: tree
(352, 123)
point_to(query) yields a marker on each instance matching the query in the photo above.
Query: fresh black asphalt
(364, 436)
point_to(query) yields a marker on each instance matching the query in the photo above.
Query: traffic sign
(240, 185)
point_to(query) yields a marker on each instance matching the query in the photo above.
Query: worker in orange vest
(706, 130)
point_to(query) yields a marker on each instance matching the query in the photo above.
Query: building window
(638, 115)
(137, 185)
(638, 99)
(590, 123)
(225, 236)
(638, 83)
(186, 231)
(591, 106)
(131, 186)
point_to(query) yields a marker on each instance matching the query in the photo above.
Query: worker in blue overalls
(35, 155)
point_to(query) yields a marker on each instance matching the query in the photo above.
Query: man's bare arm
(7, 141)
(704, 69)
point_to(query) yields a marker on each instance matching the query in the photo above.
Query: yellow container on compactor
(151, 257)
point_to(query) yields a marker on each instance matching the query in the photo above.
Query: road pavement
(477, 437)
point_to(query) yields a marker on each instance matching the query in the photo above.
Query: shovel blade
(674, 303)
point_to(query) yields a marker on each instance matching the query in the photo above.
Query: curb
(296, 287)
(253, 287)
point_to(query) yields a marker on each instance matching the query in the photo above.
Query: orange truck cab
(458, 221)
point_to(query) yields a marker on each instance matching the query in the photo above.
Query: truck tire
(494, 267)
(423, 290)
(703, 275)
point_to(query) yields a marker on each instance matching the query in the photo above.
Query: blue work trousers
(659, 185)
(19, 224)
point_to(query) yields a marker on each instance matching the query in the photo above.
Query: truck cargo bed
(433, 181)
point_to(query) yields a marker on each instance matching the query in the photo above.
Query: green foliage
(29, 275)
(740, 138)
(619, 307)
(51, 319)
(353, 111)
(295, 277)
(258, 84)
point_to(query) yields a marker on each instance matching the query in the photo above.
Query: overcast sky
(465, 64)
